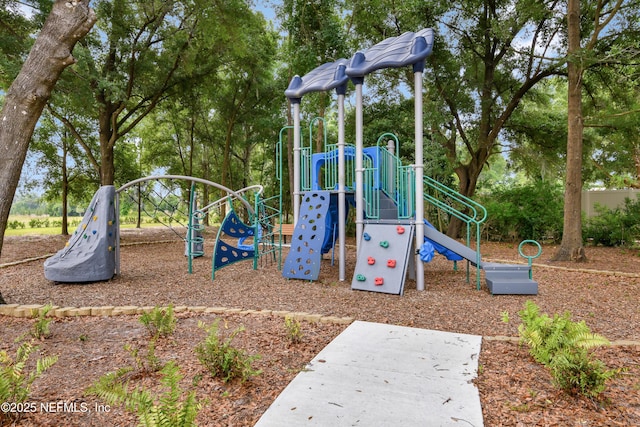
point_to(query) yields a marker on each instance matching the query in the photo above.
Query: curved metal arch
(198, 180)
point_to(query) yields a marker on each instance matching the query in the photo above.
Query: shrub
(147, 362)
(221, 359)
(292, 327)
(563, 346)
(171, 408)
(614, 227)
(41, 329)
(16, 380)
(533, 211)
(14, 225)
(160, 322)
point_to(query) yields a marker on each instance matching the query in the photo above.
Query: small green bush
(160, 322)
(146, 362)
(533, 211)
(614, 227)
(171, 408)
(563, 346)
(293, 330)
(16, 380)
(41, 328)
(221, 359)
(14, 225)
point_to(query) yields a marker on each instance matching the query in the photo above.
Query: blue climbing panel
(225, 253)
(305, 255)
(383, 258)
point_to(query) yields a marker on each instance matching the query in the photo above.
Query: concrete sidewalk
(384, 375)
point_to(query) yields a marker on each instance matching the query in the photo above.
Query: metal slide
(500, 278)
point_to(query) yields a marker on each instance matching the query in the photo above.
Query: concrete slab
(385, 375)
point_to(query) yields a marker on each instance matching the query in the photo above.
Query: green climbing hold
(360, 278)
(384, 244)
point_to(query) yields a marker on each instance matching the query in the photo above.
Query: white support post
(359, 168)
(419, 172)
(341, 190)
(296, 162)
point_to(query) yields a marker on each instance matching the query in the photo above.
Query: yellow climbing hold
(84, 226)
(95, 217)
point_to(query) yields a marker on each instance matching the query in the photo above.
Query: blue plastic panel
(325, 77)
(305, 255)
(406, 49)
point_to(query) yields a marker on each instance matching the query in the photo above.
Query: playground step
(498, 271)
(513, 286)
(511, 279)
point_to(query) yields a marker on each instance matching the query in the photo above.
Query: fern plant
(170, 408)
(41, 328)
(145, 362)
(160, 322)
(221, 359)
(16, 380)
(564, 347)
(294, 331)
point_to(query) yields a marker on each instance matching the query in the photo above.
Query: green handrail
(472, 214)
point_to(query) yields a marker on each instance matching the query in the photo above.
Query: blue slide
(442, 250)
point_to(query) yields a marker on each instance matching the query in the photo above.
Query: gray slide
(89, 255)
(502, 279)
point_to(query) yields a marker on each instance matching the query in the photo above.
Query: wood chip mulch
(514, 390)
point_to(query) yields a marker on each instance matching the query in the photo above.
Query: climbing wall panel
(305, 255)
(383, 258)
(89, 255)
(225, 253)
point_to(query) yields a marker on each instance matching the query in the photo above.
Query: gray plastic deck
(375, 374)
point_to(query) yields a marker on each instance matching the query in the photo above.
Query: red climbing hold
(371, 260)
(391, 263)
(400, 229)
(379, 281)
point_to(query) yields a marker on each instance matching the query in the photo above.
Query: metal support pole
(419, 172)
(296, 162)
(342, 209)
(359, 167)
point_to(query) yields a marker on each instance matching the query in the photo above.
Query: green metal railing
(471, 213)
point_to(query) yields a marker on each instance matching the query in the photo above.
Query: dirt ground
(514, 390)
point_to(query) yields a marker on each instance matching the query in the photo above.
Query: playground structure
(393, 238)
(388, 196)
(93, 251)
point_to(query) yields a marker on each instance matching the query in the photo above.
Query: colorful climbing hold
(400, 229)
(366, 237)
(384, 244)
(391, 263)
(94, 231)
(95, 217)
(84, 226)
(110, 248)
(379, 281)
(371, 260)
(110, 222)
(360, 278)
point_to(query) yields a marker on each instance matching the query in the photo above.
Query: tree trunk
(571, 248)
(67, 23)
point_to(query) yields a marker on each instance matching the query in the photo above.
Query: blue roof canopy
(325, 77)
(394, 52)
